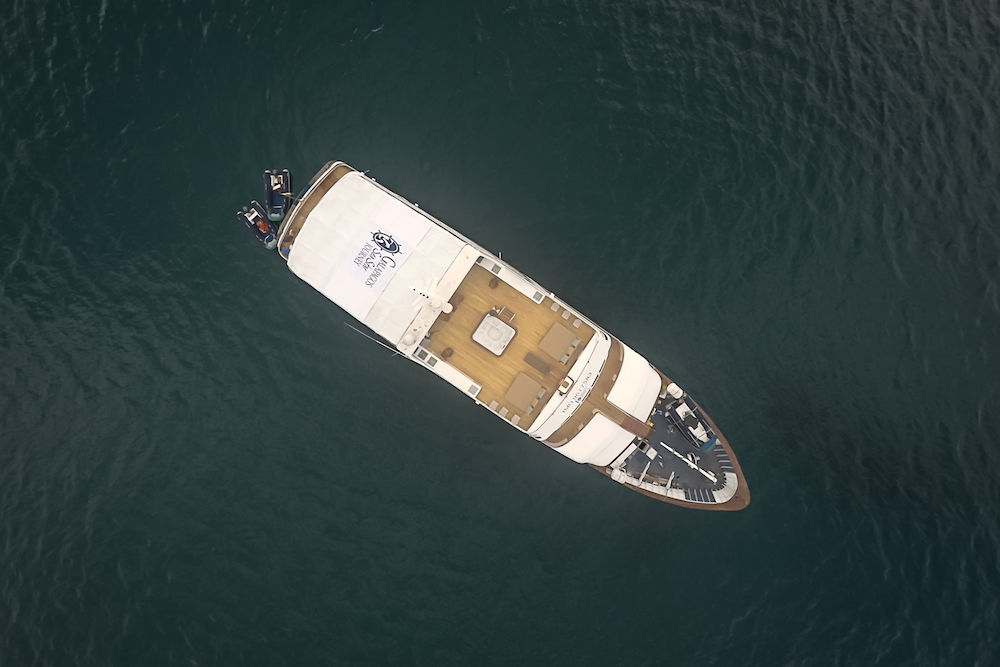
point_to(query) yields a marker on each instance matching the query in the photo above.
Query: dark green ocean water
(790, 207)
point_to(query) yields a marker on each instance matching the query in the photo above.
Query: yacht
(513, 347)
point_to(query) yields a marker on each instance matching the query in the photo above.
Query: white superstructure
(451, 306)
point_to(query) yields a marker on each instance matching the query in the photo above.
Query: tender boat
(277, 193)
(513, 347)
(253, 217)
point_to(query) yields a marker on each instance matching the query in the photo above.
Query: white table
(494, 334)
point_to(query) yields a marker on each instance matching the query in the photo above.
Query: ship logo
(386, 242)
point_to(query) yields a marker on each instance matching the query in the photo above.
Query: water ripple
(810, 189)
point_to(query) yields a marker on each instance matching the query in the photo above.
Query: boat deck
(547, 340)
(680, 460)
(301, 210)
(675, 467)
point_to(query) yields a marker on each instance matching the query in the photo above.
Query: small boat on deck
(254, 218)
(277, 193)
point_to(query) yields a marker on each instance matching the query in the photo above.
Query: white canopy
(637, 386)
(599, 442)
(372, 254)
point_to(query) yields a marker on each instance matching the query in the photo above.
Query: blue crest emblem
(386, 242)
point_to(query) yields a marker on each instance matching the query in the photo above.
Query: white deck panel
(637, 386)
(366, 251)
(393, 311)
(599, 442)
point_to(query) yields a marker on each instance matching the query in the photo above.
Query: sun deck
(547, 339)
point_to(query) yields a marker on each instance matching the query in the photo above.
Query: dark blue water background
(792, 208)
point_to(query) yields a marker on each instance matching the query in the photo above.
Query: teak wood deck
(482, 293)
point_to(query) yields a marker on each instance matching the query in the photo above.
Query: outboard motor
(253, 217)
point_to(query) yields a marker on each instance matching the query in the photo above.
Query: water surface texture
(791, 208)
